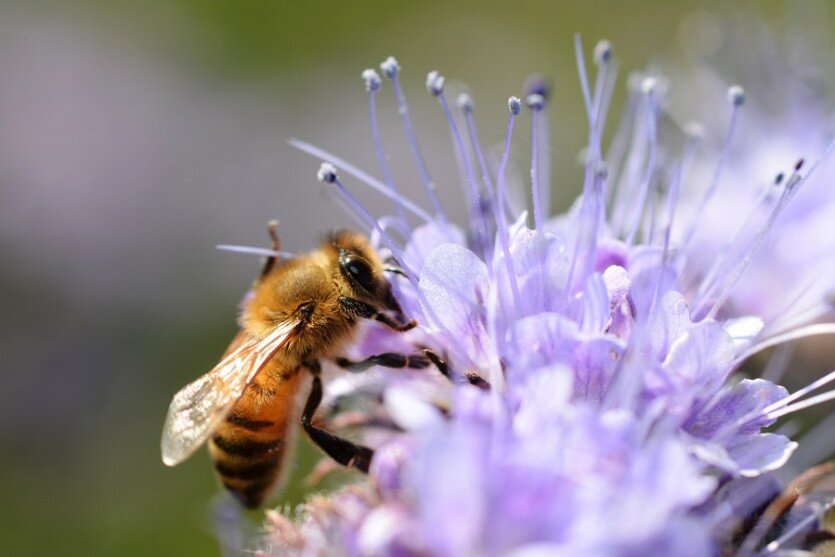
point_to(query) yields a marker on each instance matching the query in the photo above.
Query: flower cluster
(593, 404)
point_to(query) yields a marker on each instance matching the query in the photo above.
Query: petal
(427, 237)
(765, 452)
(596, 304)
(747, 396)
(541, 266)
(409, 410)
(455, 284)
(700, 360)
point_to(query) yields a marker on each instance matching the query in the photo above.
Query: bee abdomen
(247, 470)
(250, 494)
(249, 446)
(247, 423)
(244, 446)
(246, 467)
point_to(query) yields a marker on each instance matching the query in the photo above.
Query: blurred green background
(136, 135)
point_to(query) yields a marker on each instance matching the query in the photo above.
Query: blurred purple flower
(595, 407)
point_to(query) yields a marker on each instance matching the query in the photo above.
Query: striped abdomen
(248, 449)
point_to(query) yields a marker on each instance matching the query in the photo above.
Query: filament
(378, 148)
(362, 176)
(391, 70)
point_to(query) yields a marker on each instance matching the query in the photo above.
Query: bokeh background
(134, 136)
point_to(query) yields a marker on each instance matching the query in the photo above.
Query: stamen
(770, 410)
(616, 157)
(778, 363)
(264, 252)
(736, 96)
(708, 283)
(372, 80)
(817, 383)
(648, 87)
(787, 317)
(630, 159)
(793, 184)
(818, 444)
(672, 203)
(465, 104)
(591, 215)
(327, 175)
(362, 176)
(391, 69)
(808, 403)
(536, 103)
(372, 85)
(602, 56)
(602, 52)
(514, 106)
(540, 85)
(581, 69)
(794, 530)
(793, 333)
(435, 86)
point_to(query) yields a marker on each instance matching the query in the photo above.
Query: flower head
(593, 404)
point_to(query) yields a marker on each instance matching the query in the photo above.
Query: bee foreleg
(341, 450)
(367, 311)
(471, 377)
(388, 359)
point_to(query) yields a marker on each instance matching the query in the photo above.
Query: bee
(299, 312)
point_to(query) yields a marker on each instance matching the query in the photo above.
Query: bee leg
(341, 450)
(387, 359)
(470, 376)
(367, 311)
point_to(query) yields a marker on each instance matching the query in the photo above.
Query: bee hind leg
(341, 450)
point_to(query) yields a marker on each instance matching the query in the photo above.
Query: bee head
(358, 265)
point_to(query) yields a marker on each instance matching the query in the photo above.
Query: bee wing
(198, 408)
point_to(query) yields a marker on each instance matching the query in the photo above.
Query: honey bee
(300, 311)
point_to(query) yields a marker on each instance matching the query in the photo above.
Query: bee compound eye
(358, 271)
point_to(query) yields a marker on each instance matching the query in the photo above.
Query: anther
(779, 178)
(514, 104)
(736, 95)
(798, 165)
(327, 173)
(634, 81)
(435, 83)
(372, 80)
(602, 52)
(649, 85)
(694, 131)
(535, 101)
(465, 103)
(390, 67)
(538, 85)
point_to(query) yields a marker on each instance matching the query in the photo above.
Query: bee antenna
(272, 230)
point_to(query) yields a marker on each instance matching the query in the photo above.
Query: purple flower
(738, 178)
(595, 405)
